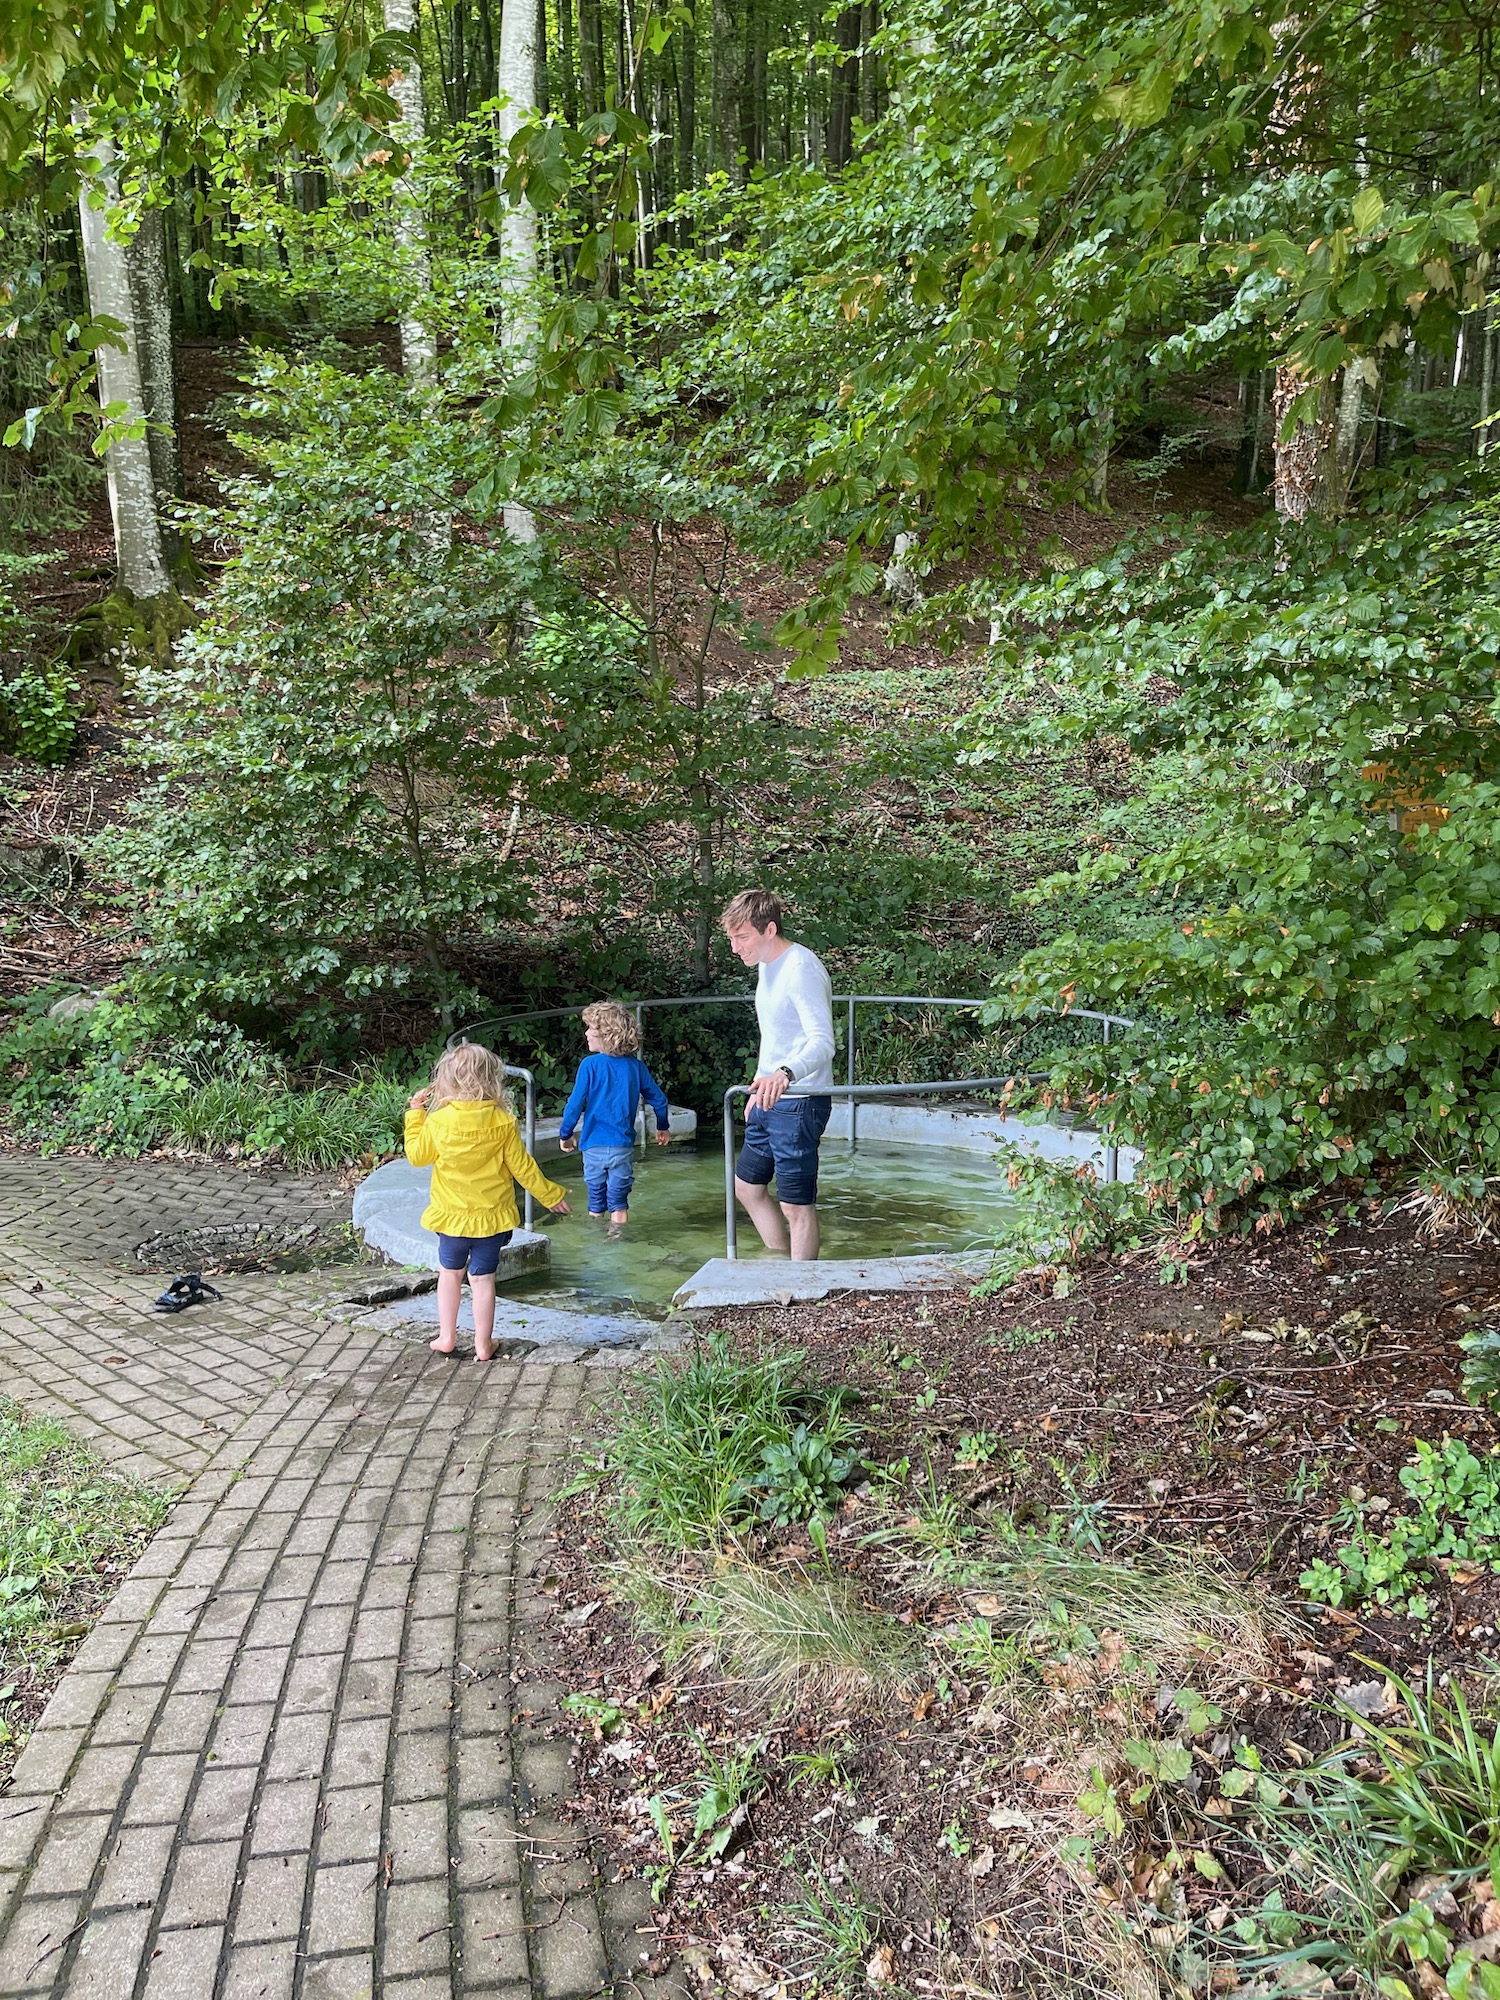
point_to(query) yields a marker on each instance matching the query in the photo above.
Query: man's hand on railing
(766, 1089)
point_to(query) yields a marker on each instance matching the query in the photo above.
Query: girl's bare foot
(483, 1353)
(444, 1344)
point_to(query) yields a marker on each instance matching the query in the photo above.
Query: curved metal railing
(854, 1094)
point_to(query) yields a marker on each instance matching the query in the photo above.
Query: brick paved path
(296, 1757)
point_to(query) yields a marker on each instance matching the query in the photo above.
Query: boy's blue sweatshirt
(606, 1092)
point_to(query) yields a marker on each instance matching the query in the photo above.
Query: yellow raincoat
(475, 1151)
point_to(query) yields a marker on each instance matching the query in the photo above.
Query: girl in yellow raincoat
(462, 1126)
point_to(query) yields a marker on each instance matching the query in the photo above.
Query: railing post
(731, 1216)
(530, 1140)
(1111, 1153)
(849, 1040)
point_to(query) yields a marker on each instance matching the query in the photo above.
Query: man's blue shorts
(478, 1255)
(782, 1145)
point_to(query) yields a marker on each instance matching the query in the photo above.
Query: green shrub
(1456, 1518)
(36, 705)
(1481, 1367)
(1065, 1215)
(110, 1080)
(1324, 986)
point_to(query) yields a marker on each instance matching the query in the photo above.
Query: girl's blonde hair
(468, 1074)
(618, 1030)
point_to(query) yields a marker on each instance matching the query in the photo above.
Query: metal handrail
(514, 1069)
(847, 1000)
(854, 1093)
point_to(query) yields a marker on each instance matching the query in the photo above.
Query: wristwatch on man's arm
(789, 1074)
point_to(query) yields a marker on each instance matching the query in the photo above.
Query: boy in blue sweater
(610, 1084)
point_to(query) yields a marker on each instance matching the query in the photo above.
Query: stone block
(419, 1925)
(184, 1963)
(160, 1790)
(202, 1884)
(343, 1910)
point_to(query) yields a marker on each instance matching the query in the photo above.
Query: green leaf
(1143, 102)
(1367, 208)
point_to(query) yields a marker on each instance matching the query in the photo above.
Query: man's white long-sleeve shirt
(794, 1005)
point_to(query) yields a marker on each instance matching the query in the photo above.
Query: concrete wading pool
(873, 1201)
(917, 1203)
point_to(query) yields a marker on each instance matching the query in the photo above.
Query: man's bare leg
(763, 1212)
(803, 1225)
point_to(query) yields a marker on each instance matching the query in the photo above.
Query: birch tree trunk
(151, 296)
(1304, 461)
(515, 77)
(418, 343)
(139, 555)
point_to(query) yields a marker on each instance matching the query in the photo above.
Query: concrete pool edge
(776, 1281)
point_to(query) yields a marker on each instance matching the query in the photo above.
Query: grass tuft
(798, 1634)
(687, 1458)
(69, 1530)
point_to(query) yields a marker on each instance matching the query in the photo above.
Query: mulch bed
(1231, 1411)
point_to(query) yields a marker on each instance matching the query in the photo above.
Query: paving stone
(351, 1825)
(271, 1898)
(260, 1972)
(136, 1865)
(109, 1954)
(184, 1721)
(160, 1788)
(343, 1909)
(284, 1817)
(202, 1883)
(183, 1963)
(349, 1978)
(419, 1924)
(221, 1805)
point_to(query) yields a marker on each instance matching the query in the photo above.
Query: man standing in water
(794, 1005)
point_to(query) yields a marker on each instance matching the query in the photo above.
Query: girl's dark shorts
(478, 1255)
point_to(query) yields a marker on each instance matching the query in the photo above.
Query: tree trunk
(151, 298)
(516, 81)
(1487, 378)
(725, 87)
(685, 61)
(843, 90)
(869, 69)
(1305, 469)
(127, 461)
(1253, 405)
(1346, 432)
(418, 344)
(590, 55)
(1097, 446)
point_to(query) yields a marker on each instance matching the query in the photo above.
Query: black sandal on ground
(188, 1291)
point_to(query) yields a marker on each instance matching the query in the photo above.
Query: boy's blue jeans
(609, 1175)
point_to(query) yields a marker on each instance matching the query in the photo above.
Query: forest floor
(919, 1825)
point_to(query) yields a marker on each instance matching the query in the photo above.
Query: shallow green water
(873, 1201)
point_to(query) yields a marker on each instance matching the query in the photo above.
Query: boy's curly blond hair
(617, 1030)
(469, 1074)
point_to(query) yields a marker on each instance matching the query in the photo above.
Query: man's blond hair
(618, 1030)
(756, 907)
(469, 1074)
